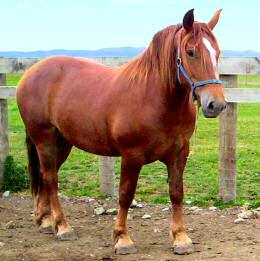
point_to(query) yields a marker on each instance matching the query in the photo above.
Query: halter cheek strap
(194, 85)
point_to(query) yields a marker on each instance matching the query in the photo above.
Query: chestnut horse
(142, 111)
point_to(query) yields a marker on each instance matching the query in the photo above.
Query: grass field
(79, 175)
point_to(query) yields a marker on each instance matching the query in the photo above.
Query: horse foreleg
(129, 175)
(176, 163)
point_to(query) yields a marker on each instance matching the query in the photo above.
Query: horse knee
(176, 197)
(126, 198)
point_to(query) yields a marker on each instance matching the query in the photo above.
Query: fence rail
(227, 65)
(229, 69)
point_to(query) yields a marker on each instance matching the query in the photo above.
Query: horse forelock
(200, 31)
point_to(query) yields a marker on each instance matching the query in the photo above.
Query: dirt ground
(214, 234)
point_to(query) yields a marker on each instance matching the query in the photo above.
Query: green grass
(249, 78)
(79, 174)
(13, 79)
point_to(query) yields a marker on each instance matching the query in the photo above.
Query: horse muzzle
(212, 108)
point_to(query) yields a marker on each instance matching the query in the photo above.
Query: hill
(108, 52)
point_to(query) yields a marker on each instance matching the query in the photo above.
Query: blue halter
(194, 85)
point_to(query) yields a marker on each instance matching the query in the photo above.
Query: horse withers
(142, 111)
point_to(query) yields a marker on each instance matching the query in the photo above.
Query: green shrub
(15, 177)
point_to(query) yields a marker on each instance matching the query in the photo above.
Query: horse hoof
(183, 249)
(67, 236)
(46, 230)
(125, 250)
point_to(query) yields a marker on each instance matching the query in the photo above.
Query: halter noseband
(194, 85)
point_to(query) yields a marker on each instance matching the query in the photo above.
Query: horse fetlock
(41, 217)
(119, 231)
(47, 221)
(63, 227)
(179, 236)
(41, 212)
(59, 220)
(176, 229)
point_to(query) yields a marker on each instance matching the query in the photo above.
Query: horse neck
(173, 95)
(170, 98)
(176, 97)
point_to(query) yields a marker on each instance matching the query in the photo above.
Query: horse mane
(159, 59)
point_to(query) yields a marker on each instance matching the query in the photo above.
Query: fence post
(227, 145)
(4, 142)
(107, 176)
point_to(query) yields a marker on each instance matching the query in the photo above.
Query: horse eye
(191, 53)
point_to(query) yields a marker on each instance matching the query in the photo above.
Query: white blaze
(213, 54)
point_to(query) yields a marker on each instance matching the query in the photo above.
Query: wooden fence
(229, 69)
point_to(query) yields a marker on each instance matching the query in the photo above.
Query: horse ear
(214, 20)
(188, 20)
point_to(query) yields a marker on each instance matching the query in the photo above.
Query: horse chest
(164, 142)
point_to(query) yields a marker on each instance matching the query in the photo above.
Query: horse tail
(33, 166)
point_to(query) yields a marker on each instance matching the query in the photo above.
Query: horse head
(197, 63)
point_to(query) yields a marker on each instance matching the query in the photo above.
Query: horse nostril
(211, 106)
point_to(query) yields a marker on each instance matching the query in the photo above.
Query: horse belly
(95, 147)
(88, 135)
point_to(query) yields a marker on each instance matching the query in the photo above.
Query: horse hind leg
(42, 209)
(52, 151)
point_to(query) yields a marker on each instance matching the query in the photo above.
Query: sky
(28, 25)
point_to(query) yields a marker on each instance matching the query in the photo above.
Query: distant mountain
(108, 52)
(247, 53)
